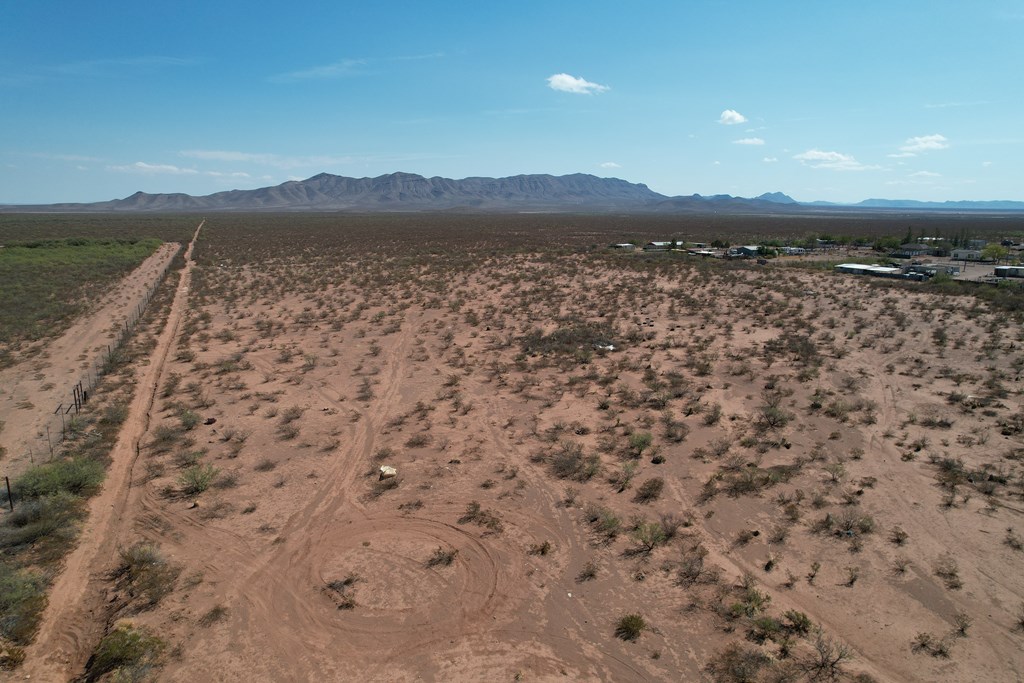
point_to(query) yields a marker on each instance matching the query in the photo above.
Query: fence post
(10, 498)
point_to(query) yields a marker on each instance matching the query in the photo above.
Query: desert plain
(608, 466)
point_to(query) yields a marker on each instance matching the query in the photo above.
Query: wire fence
(60, 422)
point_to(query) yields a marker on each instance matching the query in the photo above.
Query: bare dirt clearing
(765, 452)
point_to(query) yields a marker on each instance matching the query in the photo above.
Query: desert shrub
(1012, 425)
(639, 442)
(383, 453)
(691, 567)
(765, 628)
(712, 415)
(649, 535)
(128, 652)
(797, 622)
(828, 658)
(291, 414)
(265, 465)
(1018, 621)
(1013, 540)
(569, 462)
(630, 627)
(215, 614)
(603, 520)
(588, 573)
(946, 568)
(418, 440)
(189, 419)
(485, 518)
(145, 574)
(650, 490)
(80, 476)
(737, 664)
(227, 480)
(382, 486)
(751, 601)
(197, 478)
(675, 430)
(571, 337)
(962, 620)
(541, 549)
(22, 601)
(287, 431)
(770, 414)
(115, 413)
(164, 437)
(46, 523)
(442, 557)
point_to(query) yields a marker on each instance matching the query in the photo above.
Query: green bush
(128, 652)
(47, 523)
(197, 478)
(650, 490)
(80, 476)
(639, 442)
(146, 574)
(630, 627)
(189, 420)
(569, 462)
(22, 600)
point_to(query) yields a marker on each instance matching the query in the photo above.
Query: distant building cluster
(919, 253)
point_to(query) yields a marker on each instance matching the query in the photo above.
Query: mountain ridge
(400, 191)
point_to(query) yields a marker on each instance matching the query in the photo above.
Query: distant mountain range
(410, 192)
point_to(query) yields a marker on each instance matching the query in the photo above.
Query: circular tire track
(397, 589)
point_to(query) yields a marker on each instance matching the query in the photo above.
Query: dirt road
(72, 622)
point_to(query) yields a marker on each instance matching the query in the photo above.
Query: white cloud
(143, 167)
(609, 164)
(170, 169)
(339, 69)
(986, 163)
(901, 155)
(748, 141)
(731, 117)
(770, 160)
(836, 161)
(924, 143)
(580, 86)
(925, 174)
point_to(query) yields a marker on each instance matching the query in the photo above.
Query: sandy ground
(298, 565)
(32, 389)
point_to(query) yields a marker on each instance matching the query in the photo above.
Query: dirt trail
(72, 622)
(45, 381)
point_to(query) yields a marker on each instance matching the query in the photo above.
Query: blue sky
(833, 100)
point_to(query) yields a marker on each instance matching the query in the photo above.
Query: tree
(994, 252)
(649, 535)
